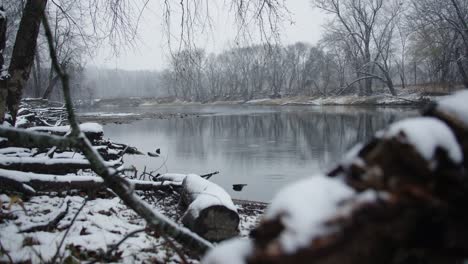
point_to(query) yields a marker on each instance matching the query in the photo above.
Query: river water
(265, 147)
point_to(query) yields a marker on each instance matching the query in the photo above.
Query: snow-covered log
(30, 183)
(210, 211)
(401, 198)
(47, 165)
(93, 131)
(453, 110)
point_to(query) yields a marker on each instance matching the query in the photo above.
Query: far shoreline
(414, 99)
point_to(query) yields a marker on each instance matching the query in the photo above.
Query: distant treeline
(368, 46)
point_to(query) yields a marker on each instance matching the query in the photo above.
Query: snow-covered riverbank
(404, 99)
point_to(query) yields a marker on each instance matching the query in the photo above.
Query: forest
(367, 48)
(348, 150)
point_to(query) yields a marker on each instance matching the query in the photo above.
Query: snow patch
(426, 134)
(85, 127)
(303, 207)
(206, 194)
(233, 251)
(456, 104)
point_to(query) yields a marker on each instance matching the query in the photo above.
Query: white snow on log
(456, 104)
(174, 177)
(304, 206)
(15, 150)
(205, 194)
(85, 127)
(351, 157)
(26, 177)
(49, 161)
(426, 134)
(233, 251)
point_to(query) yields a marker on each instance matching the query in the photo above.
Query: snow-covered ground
(101, 223)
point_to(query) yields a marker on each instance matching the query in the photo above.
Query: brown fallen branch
(209, 175)
(51, 224)
(57, 252)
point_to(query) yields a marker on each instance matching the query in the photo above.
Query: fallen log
(93, 131)
(210, 211)
(47, 165)
(30, 183)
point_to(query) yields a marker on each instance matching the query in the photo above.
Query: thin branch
(120, 186)
(54, 258)
(51, 224)
(4, 251)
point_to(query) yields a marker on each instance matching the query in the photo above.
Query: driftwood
(209, 211)
(407, 206)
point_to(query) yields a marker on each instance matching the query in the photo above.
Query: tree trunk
(50, 87)
(24, 50)
(461, 69)
(38, 88)
(3, 88)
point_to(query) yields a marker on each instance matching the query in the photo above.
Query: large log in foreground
(210, 211)
(401, 198)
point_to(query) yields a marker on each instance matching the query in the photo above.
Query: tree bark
(461, 69)
(38, 77)
(3, 88)
(50, 87)
(24, 51)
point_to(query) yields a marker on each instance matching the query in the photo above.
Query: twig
(175, 248)
(116, 246)
(209, 175)
(53, 223)
(54, 258)
(4, 251)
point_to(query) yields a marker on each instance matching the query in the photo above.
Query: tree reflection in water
(265, 147)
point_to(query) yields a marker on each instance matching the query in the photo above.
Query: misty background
(211, 54)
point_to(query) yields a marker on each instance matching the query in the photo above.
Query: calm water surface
(262, 146)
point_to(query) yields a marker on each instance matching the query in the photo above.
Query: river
(265, 147)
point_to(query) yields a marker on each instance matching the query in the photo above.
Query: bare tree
(445, 25)
(366, 28)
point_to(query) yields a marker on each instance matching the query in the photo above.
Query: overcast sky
(152, 49)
